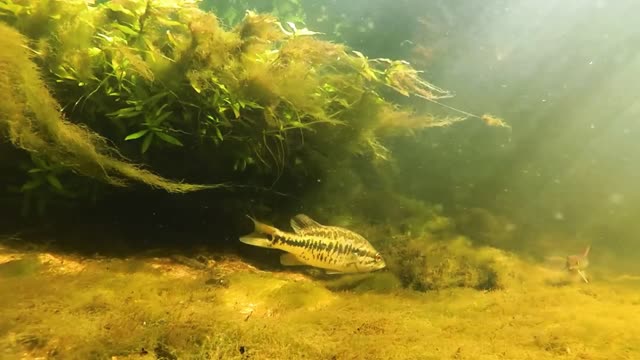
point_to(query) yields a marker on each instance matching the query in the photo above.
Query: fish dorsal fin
(302, 221)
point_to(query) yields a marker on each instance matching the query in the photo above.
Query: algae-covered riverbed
(216, 306)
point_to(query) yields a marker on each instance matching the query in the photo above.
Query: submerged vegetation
(32, 121)
(155, 79)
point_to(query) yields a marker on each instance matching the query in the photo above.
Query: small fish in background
(335, 249)
(578, 263)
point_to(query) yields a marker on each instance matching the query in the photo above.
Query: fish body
(334, 249)
(578, 263)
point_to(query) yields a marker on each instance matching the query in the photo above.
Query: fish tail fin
(262, 235)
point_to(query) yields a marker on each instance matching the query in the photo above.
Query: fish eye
(378, 257)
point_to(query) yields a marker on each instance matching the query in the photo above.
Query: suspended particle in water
(616, 198)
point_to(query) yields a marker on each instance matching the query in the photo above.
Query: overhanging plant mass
(86, 85)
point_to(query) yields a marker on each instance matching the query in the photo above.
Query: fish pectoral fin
(257, 239)
(302, 221)
(334, 272)
(355, 265)
(287, 259)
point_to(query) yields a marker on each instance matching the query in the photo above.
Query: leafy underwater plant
(167, 75)
(43, 184)
(31, 120)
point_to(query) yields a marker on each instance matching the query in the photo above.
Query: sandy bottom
(57, 306)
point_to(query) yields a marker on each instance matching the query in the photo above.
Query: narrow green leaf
(343, 102)
(147, 142)
(39, 162)
(168, 22)
(152, 100)
(126, 113)
(119, 8)
(168, 138)
(32, 184)
(160, 119)
(236, 109)
(240, 165)
(252, 104)
(53, 180)
(137, 135)
(125, 29)
(159, 111)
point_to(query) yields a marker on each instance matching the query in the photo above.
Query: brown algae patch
(177, 271)
(5, 258)
(61, 264)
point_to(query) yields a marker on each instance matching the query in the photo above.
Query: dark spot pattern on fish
(330, 248)
(292, 242)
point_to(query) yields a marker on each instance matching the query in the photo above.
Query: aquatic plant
(42, 185)
(151, 79)
(424, 264)
(31, 120)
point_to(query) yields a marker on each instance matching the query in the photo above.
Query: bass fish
(337, 250)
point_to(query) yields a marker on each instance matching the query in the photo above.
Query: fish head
(371, 263)
(577, 262)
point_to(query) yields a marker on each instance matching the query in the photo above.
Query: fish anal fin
(301, 222)
(287, 259)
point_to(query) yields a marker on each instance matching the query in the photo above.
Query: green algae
(29, 265)
(105, 309)
(378, 282)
